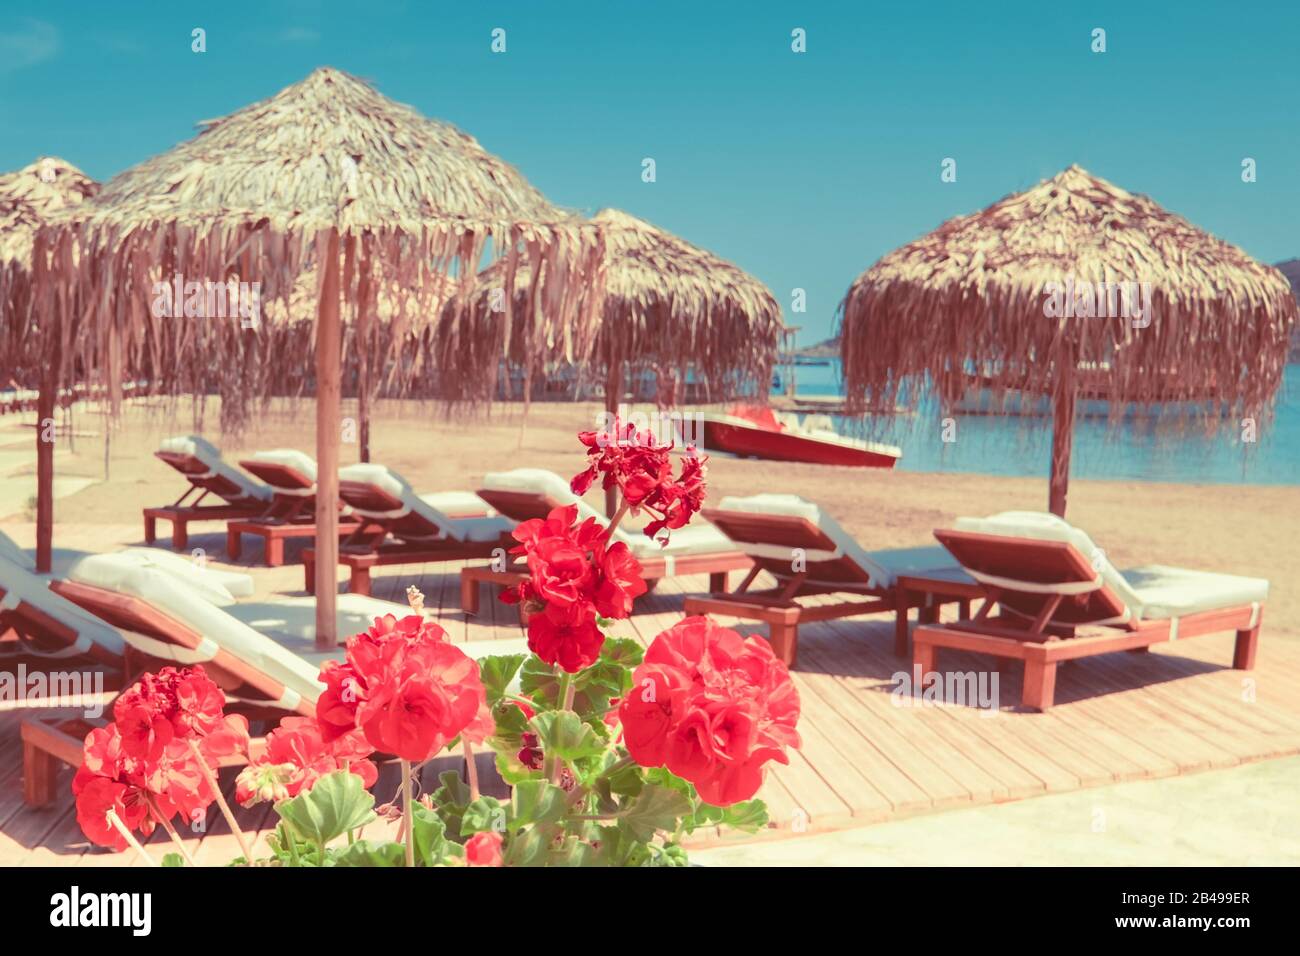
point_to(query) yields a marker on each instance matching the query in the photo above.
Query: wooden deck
(1179, 709)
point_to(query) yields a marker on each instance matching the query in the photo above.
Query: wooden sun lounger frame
(527, 505)
(181, 514)
(291, 515)
(369, 545)
(1043, 640)
(779, 607)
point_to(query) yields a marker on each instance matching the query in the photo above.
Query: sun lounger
(236, 584)
(203, 467)
(526, 493)
(39, 628)
(413, 528)
(808, 553)
(1061, 599)
(166, 621)
(291, 476)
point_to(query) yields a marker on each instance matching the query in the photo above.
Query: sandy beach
(1236, 529)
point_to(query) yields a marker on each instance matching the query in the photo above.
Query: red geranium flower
(619, 582)
(641, 468)
(712, 707)
(484, 849)
(420, 696)
(297, 755)
(171, 703)
(567, 636)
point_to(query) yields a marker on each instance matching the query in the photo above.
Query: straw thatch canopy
(326, 172)
(666, 304)
(412, 199)
(977, 296)
(29, 198)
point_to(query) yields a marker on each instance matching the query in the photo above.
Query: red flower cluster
(642, 470)
(575, 576)
(141, 766)
(484, 849)
(296, 756)
(712, 707)
(405, 688)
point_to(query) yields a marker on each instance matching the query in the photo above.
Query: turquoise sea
(1138, 449)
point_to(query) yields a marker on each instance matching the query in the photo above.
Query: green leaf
(539, 680)
(564, 735)
(535, 801)
(622, 650)
(337, 803)
(173, 859)
(431, 845)
(485, 813)
(451, 799)
(657, 808)
(365, 853)
(527, 848)
(498, 672)
(749, 816)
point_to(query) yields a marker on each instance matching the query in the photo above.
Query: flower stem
(171, 831)
(471, 768)
(614, 521)
(407, 813)
(211, 778)
(567, 689)
(129, 837)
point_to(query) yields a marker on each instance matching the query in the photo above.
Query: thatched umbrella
(667, 305)
(987, 294)
(327, 171)
(29, 199)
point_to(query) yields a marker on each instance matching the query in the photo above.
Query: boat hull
(752, 442)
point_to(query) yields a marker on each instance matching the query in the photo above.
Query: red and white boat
(757, 432)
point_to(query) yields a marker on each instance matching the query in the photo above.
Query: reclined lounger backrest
(200, 461)
(376, 492)
(171, 617)
(57, 625)
(1030, 556)
(286, 470)
(775, 530)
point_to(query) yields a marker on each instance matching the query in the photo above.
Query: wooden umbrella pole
(613, 392)
(363, 358)
(328, 358)
(46, 401)
(1062, 436)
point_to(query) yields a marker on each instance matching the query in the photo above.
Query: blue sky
(802, 168)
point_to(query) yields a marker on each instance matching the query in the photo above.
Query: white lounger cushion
(1167, 592)
(218, 628)
(299, 461)
(1151, 592)
(698, 537)
(210, 455)
(884, 567)
(20, 584)
(471, 530)
(226, 585)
